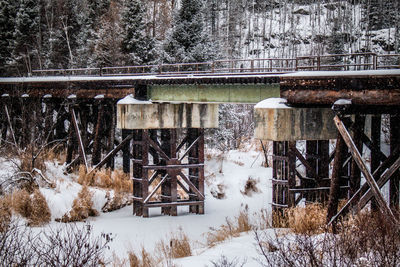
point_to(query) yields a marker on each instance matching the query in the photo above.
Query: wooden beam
(112, 153)
(361, 164)
(80, 142)
(191, 186)
(364, 188)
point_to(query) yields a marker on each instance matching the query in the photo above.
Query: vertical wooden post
(323, 167)
(394, 188)
(173, 173)
(96, 154)
(200, 150)
(334, 193)
(355, 176)
(192, 134)
(291, 172)
(311, 157)
(166, 186)
(111, 136)
(376, 141)
(126, 167)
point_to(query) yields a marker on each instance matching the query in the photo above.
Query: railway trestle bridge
(164, 109)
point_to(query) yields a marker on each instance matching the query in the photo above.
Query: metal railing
(342, 62)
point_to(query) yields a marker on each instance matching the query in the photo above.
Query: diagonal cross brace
(367, 174)
(365, 188)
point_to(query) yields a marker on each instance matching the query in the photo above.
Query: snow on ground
(224, 172)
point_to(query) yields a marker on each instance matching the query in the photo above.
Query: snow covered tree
(25, 34)
(7, 24)
(188, 40)
(108, 44)
(139, 47)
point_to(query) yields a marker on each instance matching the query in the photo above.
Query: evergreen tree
(25, 34)
(139, 47)
(7, 25)
(188, 40)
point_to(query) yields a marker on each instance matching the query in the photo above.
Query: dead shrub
(250, 187)
(21, 203)
(40, 214)
(177, 246)
(219, 191)
(5, 213)
(368, 239)
(144, 259)
(82, 207)
(241, 223)
(310, 219)
(31, 158)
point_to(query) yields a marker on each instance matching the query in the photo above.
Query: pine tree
(25, 34)
(139, 47)
(7, 25)
(188, 40)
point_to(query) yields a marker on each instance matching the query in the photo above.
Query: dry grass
(144, 259)
(82, 207)
(5, 213)
(241, 223)
(177, 246)
(310, 219)
(40, 214)
(106, 178)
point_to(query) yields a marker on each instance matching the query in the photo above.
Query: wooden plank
(112, 153)
(173, 204)
(192, 145)
(157, 148)
(80, 142)
(180, 166)
(381, 182)
(334, 193)
(300, 190)
(155, 189)
(361, 164)
(191, 186)
(364, 188)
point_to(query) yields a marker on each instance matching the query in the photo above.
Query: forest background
(46, 34)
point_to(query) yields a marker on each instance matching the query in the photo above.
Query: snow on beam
(136, 114)
(276, 121)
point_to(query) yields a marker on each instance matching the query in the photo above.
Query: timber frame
(170, 166)
(383, 169)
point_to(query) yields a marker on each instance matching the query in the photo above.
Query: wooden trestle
(167, 170)
(84, 126)
(301, 171)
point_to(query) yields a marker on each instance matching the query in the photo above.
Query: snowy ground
(229, 172)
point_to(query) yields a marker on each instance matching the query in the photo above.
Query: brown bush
(310, 219)
(82, 207)
(119, 201)
(21, 203)
(5, 213)
(40, 214)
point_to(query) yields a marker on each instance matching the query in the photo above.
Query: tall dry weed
(231, 228)
(144, 259)
(176, 246)
(310, 219)
(116, 180)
